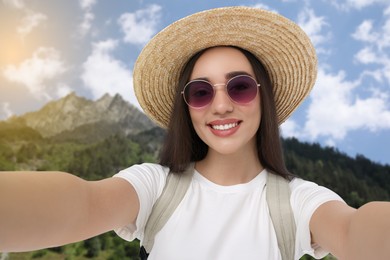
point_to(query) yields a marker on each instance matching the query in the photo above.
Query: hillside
(357, 180)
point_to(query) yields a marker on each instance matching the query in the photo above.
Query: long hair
(182, 145)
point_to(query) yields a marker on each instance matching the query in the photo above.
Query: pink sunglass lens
(242, 89)
(198, 93)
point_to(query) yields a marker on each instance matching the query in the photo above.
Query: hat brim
(282, 46)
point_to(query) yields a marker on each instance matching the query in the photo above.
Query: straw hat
(281, 45)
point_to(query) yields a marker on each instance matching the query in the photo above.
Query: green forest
(357, 180)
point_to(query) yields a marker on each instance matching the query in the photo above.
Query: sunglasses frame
(225, 87)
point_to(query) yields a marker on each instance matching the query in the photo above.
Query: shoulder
(148, 179)
(306, 198)
(306, 189)
(149, 172)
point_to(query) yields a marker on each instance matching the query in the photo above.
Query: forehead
(216, 62)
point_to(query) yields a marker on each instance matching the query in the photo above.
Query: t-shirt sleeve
(306, 197)
(148, 181)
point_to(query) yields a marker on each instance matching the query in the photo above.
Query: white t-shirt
(221, 222)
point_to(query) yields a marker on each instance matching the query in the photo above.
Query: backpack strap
(278, 199)
(175, 188)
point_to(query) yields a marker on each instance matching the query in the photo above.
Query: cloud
(61, 90)
(88, 16)
(87, 4)
(367, 55)
(29, 22)
(364, 32)
(17, 4)
(265, 7)
(86, 24)
(140, 26)
(5, 111)
(45, 64)
(335, 109)
(376, 48)
(313, 26)
(290, 129)
(102, 73)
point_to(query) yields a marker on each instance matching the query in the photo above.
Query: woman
(221, 81)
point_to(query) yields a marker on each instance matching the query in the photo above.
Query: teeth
(224, 127)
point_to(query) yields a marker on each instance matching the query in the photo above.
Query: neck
(229, 169)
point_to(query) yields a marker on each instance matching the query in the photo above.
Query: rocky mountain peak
(72, 112)
(104, 101)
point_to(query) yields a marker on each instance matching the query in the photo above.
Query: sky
(49, 49)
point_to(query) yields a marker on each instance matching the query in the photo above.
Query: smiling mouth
(224, 127)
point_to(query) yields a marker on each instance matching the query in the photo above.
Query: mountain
(74, 117)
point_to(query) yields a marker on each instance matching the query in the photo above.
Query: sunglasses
(241, 89)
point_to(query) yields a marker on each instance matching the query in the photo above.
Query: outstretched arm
(46, 209)
(352, 234)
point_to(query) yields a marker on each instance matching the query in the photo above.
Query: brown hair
(182, 145)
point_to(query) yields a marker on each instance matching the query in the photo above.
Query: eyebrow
(228, 75)
(236, 73)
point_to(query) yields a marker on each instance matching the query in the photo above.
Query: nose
(221, 103)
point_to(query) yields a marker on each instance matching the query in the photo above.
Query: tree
(92, 246)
